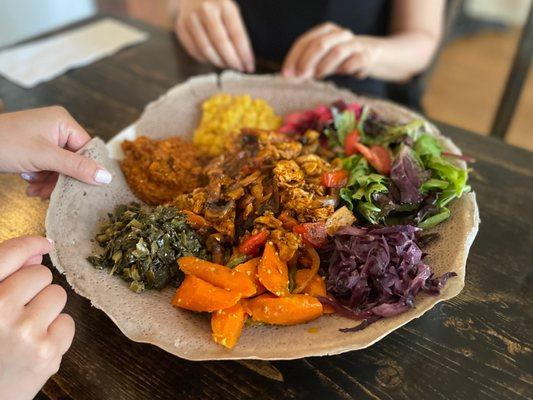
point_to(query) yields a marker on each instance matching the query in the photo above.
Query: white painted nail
(27, 176)
(50, 241)
(102, 176)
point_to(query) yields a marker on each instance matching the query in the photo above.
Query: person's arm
(416, 29)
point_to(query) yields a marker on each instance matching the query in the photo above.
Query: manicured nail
(27, 176)
(50, 241)
(102, 176)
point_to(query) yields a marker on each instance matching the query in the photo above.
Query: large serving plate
(76, 210)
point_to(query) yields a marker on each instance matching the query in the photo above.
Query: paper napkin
(30, 64)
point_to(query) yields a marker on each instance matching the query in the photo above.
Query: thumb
(76, 166)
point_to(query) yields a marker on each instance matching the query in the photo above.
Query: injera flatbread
(76, 210)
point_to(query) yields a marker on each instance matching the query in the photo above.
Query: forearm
(402, 55)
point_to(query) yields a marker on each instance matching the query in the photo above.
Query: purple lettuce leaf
(408, 174)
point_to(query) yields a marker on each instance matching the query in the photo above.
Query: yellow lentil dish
(223, 117)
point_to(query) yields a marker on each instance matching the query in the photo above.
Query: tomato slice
(313, 233)
(381, 159)
(365, 151)
(335, 179)
(251, 245)
(350, 142)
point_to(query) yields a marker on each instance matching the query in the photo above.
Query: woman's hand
(40, 143)
(329, 49)
(34, 334)
(213, 31)
(415, 30)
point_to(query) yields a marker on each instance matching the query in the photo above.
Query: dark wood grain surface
(475, 346)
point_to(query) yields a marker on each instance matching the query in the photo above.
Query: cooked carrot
(289, 310)
(227, 325)
(315, 264)
(316, 287)
(250, 268)
(272, 272)
(195, 294)
(218, 275)
(196, 221)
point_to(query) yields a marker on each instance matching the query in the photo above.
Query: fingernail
(102, 176)
(27, 176)
(50, 241)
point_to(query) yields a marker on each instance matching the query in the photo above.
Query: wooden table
(476, 346)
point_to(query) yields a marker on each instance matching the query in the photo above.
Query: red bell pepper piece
(252, 244)
(313, 233)
(335, 179)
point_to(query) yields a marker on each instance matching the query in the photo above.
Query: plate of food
(255, 217)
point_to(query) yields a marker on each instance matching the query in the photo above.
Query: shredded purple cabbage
(374, 273)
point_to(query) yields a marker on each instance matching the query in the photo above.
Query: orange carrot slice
(227, 325)
(250, 268)
(218, 275)
(316, 286)
(288, 310)
(273, 273)
(198, 295)
(315, 265)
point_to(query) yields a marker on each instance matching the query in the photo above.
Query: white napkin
(30, 64)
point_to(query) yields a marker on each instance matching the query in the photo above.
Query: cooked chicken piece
(288, 174)
(286, 242)
(313, 165)
(319, 214)
(289, 150)
(310, 141)
(269, 221)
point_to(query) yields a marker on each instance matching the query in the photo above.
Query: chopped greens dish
(141, 244)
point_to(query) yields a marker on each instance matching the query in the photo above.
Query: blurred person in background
(372, 47)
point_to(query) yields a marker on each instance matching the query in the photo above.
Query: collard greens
(142, 243)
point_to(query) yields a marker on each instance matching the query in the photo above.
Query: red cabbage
(374, 273)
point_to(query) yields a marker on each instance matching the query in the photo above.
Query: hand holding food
(213, 31)
(34, 334)
(329, 49)
(41, 143)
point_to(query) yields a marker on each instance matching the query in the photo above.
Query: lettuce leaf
(362, 185)
(344, 123)
(448, 181)
(427, 145)
(396, 133)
